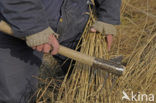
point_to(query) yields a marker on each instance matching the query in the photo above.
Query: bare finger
(39, 48)
(53, 41)
(46, 48)
(93, 30)
(109, 41)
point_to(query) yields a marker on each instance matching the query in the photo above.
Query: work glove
(44, 41)
(105, 29)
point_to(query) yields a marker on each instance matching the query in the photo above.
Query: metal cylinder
(108, 66)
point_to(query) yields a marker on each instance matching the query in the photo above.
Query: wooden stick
(4, 27)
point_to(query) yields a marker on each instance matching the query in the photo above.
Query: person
(38, 21)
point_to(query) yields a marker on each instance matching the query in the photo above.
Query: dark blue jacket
(27, 17)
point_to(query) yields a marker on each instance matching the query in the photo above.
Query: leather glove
(104, 28)
(40, 37)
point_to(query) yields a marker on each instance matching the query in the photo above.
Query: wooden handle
(4, 27)
(76, 55)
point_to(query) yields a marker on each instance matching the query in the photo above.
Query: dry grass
(136, 41)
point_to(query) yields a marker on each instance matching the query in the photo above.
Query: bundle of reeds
(87, 84)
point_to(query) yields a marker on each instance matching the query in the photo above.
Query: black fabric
(0, 17)
(26, 17)
(53, 12)
(18, 65)
(108, 11)
(74, 18)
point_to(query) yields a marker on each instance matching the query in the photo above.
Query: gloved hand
(44, 41)
(106, 29)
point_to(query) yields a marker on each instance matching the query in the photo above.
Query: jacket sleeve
(108, 11)
(0, 17)
(25, 17)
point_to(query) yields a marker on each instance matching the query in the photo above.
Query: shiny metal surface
(108, 66)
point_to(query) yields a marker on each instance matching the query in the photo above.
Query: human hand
(109, 38)
(47, 47)
(105, 29)
(44, 41)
